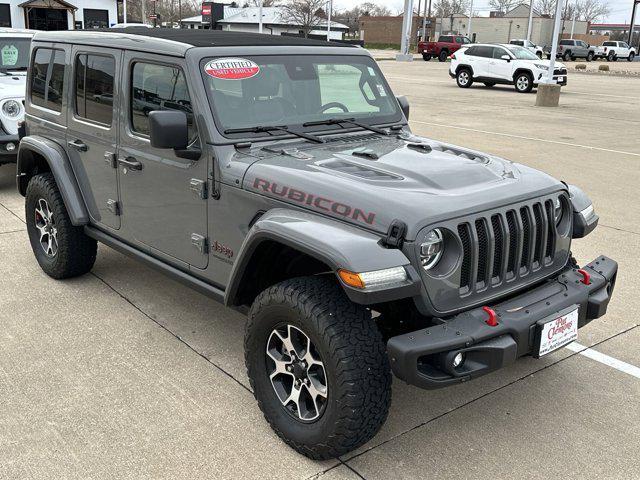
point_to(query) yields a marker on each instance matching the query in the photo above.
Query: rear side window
(517, 42)
(47, 78)
(609, 44)
(566, 42)
(158, 87)
(486, 52)
(445, 39)
(94, 87)
(470, 51)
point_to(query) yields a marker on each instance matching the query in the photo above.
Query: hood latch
(395, 234)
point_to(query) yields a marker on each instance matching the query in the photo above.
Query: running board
(180, 276)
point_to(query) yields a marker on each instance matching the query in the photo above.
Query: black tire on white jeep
(61, 249)
(318, 366)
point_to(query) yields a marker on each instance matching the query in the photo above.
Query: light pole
(469, 25)
(530, 24)
(124, 11)
(407, 22)
(554, 42)
(329, 20)
(633, 21)
(260, 17)
(573, 23)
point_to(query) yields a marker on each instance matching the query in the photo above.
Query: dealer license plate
(560, 79)
(558, 332)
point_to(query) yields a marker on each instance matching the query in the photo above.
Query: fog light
(457, 360)
(10, 146)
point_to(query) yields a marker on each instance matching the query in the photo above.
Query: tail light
(453, 56)
(605, 49)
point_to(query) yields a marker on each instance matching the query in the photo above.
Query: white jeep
(14, 62)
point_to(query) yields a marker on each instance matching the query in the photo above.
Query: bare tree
(446, 8)
(503, 5)
(590, 10)
(304, 13)
(546, 7)
(371, 9)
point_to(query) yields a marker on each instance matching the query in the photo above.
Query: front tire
(442, 57)
(631, 57)
(61, 249)
(524, 83)
(464, 79)
(589, 56)
(318, 367)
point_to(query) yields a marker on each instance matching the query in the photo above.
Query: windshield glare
(295, 89)
(14, 53)
(522, 53)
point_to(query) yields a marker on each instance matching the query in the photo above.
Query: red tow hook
(492, 321)
(586, 277)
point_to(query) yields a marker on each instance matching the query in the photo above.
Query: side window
(485, 52)
(94, 87)
(158, 87)
(47, 78)
(498, 52)
(445, 39)
(624, 45)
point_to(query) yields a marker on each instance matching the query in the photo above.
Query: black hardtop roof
(187, 37)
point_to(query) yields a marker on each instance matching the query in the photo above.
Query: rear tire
(61, 249)
(306, 328)
(567, 56)
(611, 57)
(442, 57)
(464, 78)
(524, 82)
(426, 57)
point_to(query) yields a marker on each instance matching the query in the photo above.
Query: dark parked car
(279, 176)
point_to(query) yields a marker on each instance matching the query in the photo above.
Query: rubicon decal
(316, 201)
(232, 68)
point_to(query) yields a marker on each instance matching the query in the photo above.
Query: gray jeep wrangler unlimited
(279, 176)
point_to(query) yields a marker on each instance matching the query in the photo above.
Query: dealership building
(58, 14)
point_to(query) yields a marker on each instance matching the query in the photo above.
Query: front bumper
(7, 155)
(424, 357)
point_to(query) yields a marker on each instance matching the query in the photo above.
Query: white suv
(14, 62)
(506, 64)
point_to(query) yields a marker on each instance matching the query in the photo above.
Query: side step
(183, 277)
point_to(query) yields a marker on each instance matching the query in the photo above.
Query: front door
(93, 128)
(500, 68)
(163, 207)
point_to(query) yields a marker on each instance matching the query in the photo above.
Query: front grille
(560, 71)
(500, 246)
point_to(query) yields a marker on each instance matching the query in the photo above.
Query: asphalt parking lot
(124, 373)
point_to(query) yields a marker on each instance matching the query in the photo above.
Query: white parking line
(605, 359)
(543, 140)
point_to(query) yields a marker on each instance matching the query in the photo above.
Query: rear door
(481, 66)
(93, 128)
(163, 201)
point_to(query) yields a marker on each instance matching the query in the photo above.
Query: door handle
(78, 145)
(130, 162)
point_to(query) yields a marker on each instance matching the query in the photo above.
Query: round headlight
(11, 108)
(431, 249)
(557, 210)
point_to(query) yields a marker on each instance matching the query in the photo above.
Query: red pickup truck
(445, 46)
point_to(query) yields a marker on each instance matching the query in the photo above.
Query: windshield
(292, 90)
(522, 53)
(14, 53)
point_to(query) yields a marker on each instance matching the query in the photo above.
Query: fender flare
(334, 243)
(60, 166)
(465, 67)
(523, 70)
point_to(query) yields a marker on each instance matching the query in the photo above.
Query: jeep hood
(371, 180)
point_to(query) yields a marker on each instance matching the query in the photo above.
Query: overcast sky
(620, 9)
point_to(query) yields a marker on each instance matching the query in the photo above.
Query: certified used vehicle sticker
(232, 68)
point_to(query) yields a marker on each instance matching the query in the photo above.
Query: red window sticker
(232, 68)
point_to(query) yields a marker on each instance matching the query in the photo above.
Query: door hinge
(113, 206)
(200, 242)
(199, 187)
(111, 159)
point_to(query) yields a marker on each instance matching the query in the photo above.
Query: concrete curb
(610, 73)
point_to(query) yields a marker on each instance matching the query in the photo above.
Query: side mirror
(168, 129)
(404, 105)
(506, 57)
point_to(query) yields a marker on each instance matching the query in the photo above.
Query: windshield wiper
(273, 128)
(349, 121)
